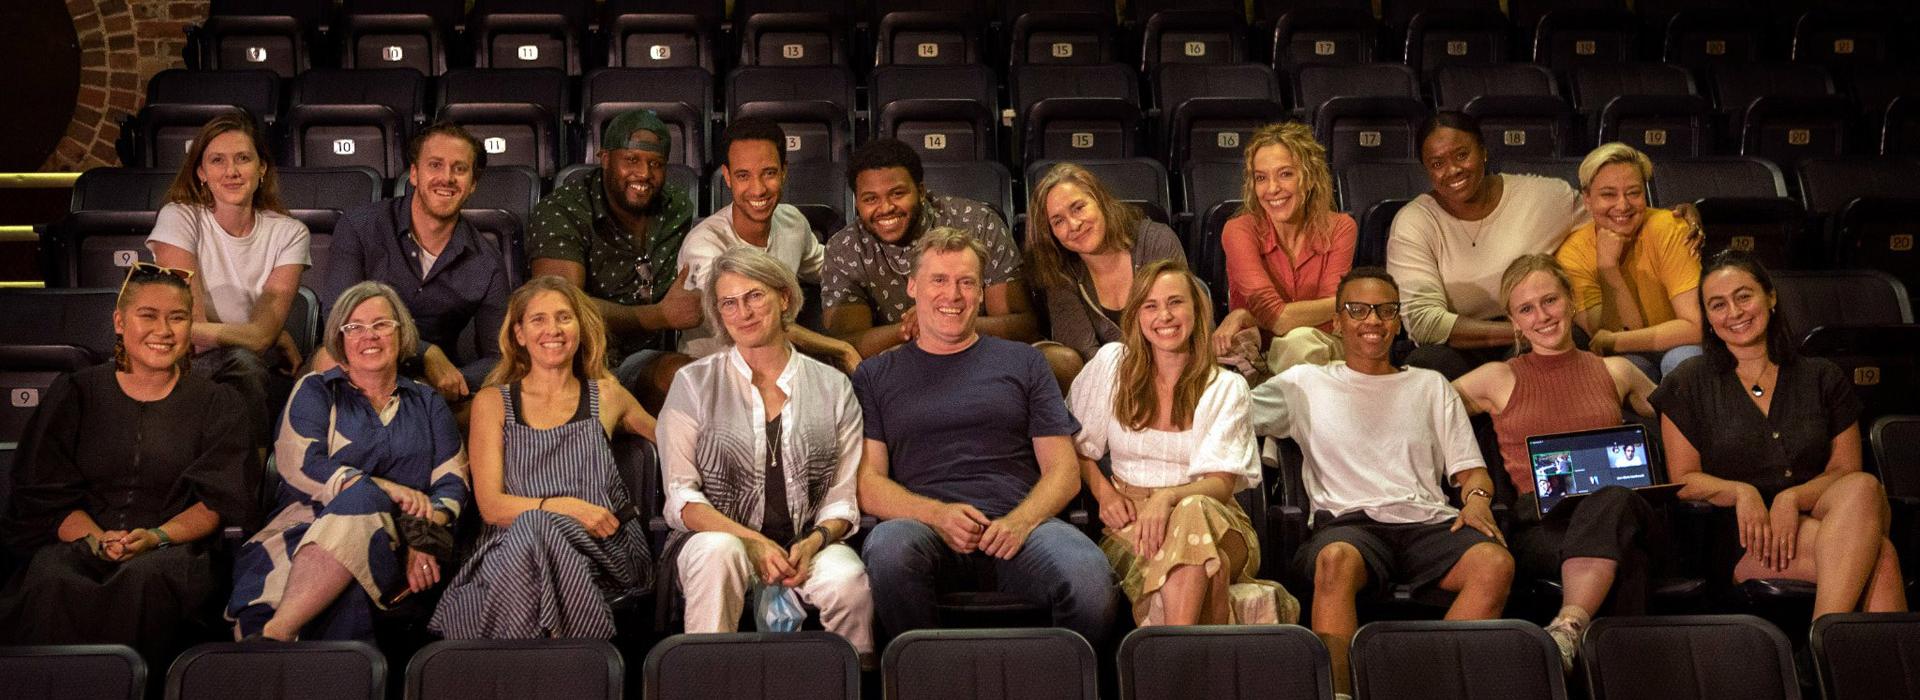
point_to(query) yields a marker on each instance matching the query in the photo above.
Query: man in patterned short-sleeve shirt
(864, 284)
(616, 234)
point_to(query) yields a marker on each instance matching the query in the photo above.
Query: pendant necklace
(1755, 388)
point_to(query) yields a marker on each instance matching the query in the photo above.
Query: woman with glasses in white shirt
(759, 446)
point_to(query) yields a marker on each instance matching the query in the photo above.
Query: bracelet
(161, 536)
(543, 504)
(826, 536)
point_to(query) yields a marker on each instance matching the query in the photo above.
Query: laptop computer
(1566, 466)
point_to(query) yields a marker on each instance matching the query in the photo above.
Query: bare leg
(1586, 581)
(1853, 519)
(1184, 595)
(316, 581)
(1887, 590)
(1481, 580)
(1339, 573)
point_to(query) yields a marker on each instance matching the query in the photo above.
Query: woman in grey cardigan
(1083, 246)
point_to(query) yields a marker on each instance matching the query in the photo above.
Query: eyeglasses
(1360, 310)
(383, 328)
(756, 300)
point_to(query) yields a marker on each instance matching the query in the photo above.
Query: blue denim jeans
(1057, 567)
(1666, 361)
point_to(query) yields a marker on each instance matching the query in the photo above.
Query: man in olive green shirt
(616, 234)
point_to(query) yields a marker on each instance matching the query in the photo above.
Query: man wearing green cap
(616, 233)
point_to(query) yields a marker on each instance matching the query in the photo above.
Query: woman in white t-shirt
(224, 221)
(1176, 428)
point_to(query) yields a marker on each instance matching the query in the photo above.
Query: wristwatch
(1477, 492)
(161, 538)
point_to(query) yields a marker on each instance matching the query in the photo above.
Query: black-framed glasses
(1360, 310)
(142, 268)
(383, 328)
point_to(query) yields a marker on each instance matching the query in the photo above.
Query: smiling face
(633, 178)
(1738, 309)
(756, 176)
(886, 200)
(945, 287)
(370, 350)
(1617, 198)
(1455, 164)
(549, 330)
(1075, 219)
(231, 169)
(442, 177)
(1538, 306)
(1276, 182)
(1370, 338)
(154, 325)
(752, 312)
(1166, 314)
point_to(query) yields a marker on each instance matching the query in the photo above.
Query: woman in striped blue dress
(555, 549)
(360, 448)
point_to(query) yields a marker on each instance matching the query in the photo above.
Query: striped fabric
(544, 576)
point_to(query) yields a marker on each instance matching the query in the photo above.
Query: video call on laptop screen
(1585, 462)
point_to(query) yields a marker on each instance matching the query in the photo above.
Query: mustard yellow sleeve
(1579, 256)
(1678, 264)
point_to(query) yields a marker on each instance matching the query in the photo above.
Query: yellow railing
(37, 180)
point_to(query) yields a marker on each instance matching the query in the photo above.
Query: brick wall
(122, 44)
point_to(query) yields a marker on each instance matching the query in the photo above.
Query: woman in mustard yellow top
(1633, 268)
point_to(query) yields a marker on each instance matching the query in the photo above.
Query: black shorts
(1412, 553)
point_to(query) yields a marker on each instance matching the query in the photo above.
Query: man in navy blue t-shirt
(969, 455)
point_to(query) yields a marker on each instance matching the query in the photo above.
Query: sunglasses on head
(141, 269)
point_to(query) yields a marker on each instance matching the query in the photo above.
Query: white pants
(715, 574)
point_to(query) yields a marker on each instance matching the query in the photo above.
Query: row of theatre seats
(288, 36)
(1179, 112)
(1855, 656)
(1784, 82)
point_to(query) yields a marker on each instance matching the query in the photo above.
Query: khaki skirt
(1207, 533)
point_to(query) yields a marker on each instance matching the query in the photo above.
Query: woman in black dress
(1753, 426)
(126, 470)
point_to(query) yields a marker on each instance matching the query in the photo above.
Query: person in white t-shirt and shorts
(1378, 442)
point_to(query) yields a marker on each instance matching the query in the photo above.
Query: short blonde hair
(1610, 153)
(947, 239)
(406, 337)
(753, 264)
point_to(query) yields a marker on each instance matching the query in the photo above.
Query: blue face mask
(777, 608)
